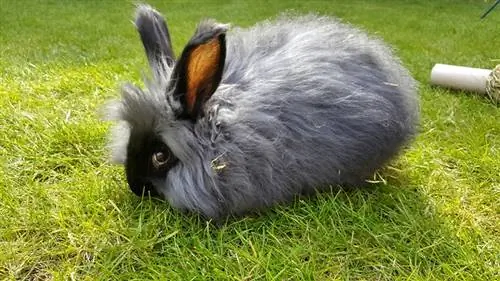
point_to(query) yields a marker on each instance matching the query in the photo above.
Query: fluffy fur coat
(247, 118)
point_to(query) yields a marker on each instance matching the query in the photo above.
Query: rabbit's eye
(159, 159)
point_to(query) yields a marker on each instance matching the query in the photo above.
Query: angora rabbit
(249, 118)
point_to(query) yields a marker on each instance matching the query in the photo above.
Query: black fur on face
(148, 158)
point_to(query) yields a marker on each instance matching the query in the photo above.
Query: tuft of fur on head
(209, 28)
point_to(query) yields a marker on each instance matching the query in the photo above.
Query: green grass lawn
(66, 214)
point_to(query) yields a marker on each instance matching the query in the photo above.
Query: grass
(65, 213)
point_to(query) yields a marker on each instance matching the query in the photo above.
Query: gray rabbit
(245, 119)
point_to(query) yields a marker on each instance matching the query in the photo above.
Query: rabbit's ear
(198, 72)
(154, 35)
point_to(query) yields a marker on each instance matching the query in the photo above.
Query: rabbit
(248, 118)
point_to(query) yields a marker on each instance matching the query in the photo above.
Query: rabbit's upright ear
(199, 70)
(154, 35)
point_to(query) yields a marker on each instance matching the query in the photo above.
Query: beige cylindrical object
(460, 77)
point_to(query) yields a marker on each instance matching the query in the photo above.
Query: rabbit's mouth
(143, 188)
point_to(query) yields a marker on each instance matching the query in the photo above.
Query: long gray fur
(305, 102)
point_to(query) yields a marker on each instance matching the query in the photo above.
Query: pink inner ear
(202, 67)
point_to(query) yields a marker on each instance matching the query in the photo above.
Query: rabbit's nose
(143, 188)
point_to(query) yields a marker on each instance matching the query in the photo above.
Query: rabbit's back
(304, 102)
(296, 54)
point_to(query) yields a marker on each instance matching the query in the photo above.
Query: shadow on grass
(382, 231)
